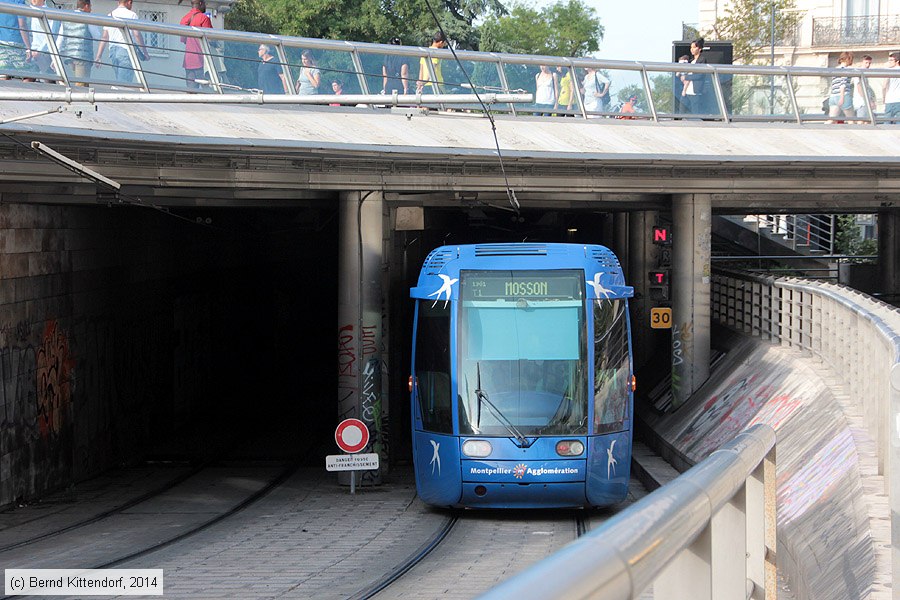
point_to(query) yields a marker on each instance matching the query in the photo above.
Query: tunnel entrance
(131, 334)
(194, 333)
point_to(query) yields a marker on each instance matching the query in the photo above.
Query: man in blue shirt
(14, 40)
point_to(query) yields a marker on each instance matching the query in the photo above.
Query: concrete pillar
(359, 320)
(889, 251)
(691, 283)
(620, 238)
(642, 257)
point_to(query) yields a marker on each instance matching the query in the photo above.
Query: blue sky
(641, 29)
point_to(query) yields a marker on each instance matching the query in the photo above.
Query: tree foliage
(748, 24)
(848, 240)
(366, 20)
(566, 28)
(249, 15)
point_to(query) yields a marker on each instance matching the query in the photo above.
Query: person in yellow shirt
(566, 90)
(424, 81)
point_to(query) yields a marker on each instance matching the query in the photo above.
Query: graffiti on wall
(36, 386)
(681, 340)
(54, 379)
(347, 382)
(118, 381)
(360, 383)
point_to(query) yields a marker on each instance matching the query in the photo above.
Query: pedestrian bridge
(764, 131)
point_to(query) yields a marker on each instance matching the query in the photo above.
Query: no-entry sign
(351, 435)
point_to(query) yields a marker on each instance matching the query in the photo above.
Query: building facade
(827, 28)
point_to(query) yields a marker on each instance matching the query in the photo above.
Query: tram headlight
(477, 448)
(569, 448)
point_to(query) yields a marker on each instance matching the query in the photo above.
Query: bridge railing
(150, 56)
(709, 534)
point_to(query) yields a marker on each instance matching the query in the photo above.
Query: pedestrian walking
(193, 53)
(118, 46)
(76, 46)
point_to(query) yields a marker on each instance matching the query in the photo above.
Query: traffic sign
(660, 318)
(351, 462)
(351, 435)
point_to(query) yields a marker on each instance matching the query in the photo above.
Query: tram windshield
(522, 359)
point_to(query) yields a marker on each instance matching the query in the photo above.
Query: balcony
(856, 31)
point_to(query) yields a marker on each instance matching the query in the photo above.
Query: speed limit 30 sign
(660, 318)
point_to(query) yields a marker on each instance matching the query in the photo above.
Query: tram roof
(442, 266)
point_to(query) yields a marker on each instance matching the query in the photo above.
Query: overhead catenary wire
(510, 194)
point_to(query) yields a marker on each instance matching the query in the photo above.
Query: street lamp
(772, 85)
(772, 42)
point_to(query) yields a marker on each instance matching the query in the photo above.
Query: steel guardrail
(708, 534)
(797, 107)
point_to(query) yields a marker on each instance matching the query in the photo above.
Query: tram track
(424, 550)
(483, 547)
(517, 539)
(220, 456)
(150, 541)
(104, 514)
(581, 526)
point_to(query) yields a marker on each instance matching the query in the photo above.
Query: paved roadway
(307, 538)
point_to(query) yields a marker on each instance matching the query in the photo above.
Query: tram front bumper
(523, 484)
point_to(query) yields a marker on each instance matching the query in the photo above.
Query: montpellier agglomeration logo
(519, 471)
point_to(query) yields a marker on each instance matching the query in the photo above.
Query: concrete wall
(123, 328)
(832, 529)
(88, 342)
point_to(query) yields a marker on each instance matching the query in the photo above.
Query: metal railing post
(689, 575)
(54, 51)
(789, 81)
(360, 72)
(133, 57)
(210, 65)
(503, 82)
(285, 68)
(650, 103)
(729, 549)
(760, 529)
(865, 88)
(720, 96)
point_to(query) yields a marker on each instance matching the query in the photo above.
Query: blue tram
(522, 380)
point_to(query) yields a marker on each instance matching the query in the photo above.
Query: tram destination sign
(351, 462)
(506, 285)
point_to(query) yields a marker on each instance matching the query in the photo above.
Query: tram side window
(611, 366)
(433, 366)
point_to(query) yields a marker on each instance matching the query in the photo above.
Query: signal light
(569, 448)
(410, 384)
(659, 277)
(661, 236)
(632, 383)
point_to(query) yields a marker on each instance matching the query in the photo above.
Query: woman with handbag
(596, 88)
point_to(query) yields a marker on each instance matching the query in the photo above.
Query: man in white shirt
(118, 52)
(892, 90)
(39, 52)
